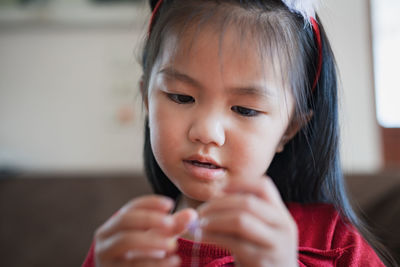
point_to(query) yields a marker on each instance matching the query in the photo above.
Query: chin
(202, 195)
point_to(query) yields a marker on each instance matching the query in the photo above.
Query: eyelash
(181, 99)
(246, 112)
(185, 99)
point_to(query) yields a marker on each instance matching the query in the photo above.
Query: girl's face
(216, 114)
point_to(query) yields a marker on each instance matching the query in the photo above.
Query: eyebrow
(252, 90)
(255, 90)
(175, 74)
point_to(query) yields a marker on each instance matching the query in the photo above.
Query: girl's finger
(243, 203)
(240, 225)
(182, 220)
(149, 202)
(137, 254)
(136, 220)
(263, 188)
(120, 243)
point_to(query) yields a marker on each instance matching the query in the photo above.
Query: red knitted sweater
(324, 240)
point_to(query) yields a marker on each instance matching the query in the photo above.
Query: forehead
(234, 54)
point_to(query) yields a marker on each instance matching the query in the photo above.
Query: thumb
(183, 219)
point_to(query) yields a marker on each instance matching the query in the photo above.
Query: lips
(203, 168)
(204, 162)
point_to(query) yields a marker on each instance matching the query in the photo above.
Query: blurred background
(71, 119)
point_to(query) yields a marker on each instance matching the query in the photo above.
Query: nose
(208, 130)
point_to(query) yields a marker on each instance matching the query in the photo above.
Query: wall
(68, 91)
(69, 98)
(348, 26)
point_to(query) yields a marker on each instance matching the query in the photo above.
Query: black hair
(308, 170)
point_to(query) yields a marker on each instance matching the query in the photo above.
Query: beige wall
(62, 86)
(61, 89)
(348, 26)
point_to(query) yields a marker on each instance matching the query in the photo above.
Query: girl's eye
(181, 99)
(247, 112)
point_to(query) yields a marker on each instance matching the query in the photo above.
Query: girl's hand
(253, 223)
(142, 233)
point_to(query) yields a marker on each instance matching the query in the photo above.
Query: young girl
(241, 139)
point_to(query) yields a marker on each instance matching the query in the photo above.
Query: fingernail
(168, 221)
(193, 226)
(175, 260)
(172, 243)
(167, 201)
(129, 255)
(157, 254)
(194, 214)
(203, 222)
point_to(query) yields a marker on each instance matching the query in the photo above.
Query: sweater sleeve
(89, 260)
(325, 239)
(355, 249)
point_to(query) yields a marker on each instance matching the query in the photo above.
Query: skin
(215, 99)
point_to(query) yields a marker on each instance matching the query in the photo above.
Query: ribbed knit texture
(201, 254)
(324, 240)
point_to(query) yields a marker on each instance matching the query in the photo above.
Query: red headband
(153, 15)
(319, 47)
(314, 26)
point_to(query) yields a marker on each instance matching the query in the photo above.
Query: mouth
(203, 162)
(207, 165)
(204, 168)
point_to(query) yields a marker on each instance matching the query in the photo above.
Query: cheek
(164, 132)
(255, 149)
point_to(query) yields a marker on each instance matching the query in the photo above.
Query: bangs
(274, 31)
